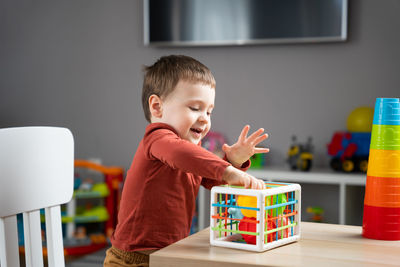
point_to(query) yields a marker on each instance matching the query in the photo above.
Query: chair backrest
(36, 172)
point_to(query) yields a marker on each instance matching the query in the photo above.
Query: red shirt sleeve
(245, 166)
(209, 183)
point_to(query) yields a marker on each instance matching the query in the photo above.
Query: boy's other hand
(235, 176)
(245, 147)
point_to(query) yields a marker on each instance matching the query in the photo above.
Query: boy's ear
(155, 105)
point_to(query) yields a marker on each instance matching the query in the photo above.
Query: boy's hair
(162, 77)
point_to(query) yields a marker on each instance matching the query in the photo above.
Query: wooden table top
(320, 245)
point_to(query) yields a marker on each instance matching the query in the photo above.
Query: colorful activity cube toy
(255, 220)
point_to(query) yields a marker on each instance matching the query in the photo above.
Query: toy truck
(349, 151)
(300, 154)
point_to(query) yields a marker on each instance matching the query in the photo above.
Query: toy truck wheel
(363, 165)
(305, 164)
(336, 164)
(293, 166)
(348, 165)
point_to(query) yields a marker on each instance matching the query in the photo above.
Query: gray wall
(78, 64)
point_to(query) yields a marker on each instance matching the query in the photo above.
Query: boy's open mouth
(196, 130)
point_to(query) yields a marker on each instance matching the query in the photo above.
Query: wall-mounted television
(243, 22)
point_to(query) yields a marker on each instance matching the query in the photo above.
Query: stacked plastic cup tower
(381, 218)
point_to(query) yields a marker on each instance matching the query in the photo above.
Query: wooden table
(320, 245)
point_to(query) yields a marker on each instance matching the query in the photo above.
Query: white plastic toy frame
(228, 240)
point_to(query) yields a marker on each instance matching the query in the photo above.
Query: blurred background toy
(300, 155)
(350, 150)
(80, 233)
(258, 161)
(316, 213)
(213, 142)
(86, 185)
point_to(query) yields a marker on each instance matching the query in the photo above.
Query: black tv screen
(243, 22)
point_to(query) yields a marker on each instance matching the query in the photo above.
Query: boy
(159, 194)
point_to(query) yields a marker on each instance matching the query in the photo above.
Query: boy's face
(188, 110)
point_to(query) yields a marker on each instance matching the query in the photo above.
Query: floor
(92, 260)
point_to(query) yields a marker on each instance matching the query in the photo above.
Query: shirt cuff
(245, 166)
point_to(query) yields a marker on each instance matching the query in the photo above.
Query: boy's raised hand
(245, 147)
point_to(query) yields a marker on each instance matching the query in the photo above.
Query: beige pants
(117, 257)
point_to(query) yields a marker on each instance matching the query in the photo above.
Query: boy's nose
(203, 117)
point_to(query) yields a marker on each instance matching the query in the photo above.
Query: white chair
(36, 172)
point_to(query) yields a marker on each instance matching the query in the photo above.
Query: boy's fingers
(255, 183)
(254, 135)
(252, 182)
(261, 183)
(244, 133)
(247, 182)
(260, 138)
(261, 150)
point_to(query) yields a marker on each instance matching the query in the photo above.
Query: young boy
(159, 194)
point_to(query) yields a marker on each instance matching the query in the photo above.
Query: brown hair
(161, 78)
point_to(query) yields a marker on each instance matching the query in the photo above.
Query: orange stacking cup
(381, 192)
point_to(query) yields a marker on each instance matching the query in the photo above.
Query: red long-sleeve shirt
(159, 194)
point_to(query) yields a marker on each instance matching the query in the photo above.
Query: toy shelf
(344, 181)
(90, 216)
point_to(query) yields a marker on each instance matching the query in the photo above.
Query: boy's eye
(194, 109)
